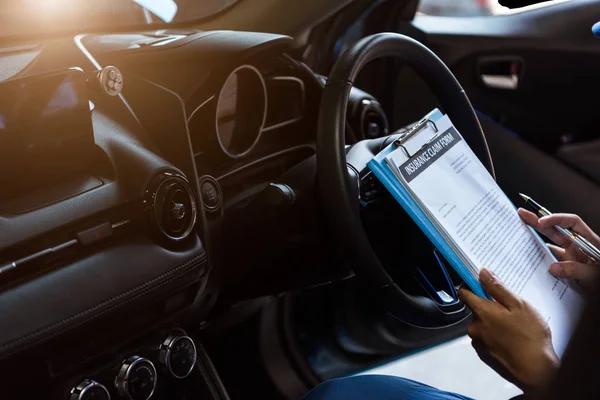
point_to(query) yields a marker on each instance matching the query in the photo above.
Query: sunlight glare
(50, 7)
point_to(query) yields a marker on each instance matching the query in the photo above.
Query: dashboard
(178, 172)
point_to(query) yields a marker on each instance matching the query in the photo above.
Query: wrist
(539, 377)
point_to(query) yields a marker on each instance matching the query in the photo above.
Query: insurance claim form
(455, 189)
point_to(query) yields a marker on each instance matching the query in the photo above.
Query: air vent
(172, 205)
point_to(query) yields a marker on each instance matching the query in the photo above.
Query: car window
(473, 8)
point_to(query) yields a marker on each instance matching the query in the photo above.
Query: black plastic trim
(44, 308)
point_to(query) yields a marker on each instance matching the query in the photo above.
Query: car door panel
(560, 58)
(552, 100)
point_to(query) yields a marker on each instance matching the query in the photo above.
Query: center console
(166, 365)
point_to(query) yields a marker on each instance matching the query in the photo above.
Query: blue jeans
(378, 387)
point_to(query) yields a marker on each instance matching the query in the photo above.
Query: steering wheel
(341, 170)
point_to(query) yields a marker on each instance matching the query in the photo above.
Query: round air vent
(172, 205)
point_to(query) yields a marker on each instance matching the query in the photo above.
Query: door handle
(502, 73)
(510, 82)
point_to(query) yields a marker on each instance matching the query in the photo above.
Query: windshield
(23, 17)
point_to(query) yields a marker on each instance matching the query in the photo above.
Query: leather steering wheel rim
(338, 190)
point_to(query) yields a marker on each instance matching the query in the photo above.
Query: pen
(584, 245)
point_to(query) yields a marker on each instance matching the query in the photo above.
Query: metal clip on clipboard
(419, 126)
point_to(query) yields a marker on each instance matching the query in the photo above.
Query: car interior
(186, 211)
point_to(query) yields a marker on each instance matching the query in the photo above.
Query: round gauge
(89, 390)
(178, 355)
(136, 379)
(241, 111)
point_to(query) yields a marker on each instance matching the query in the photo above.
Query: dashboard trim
(293, 120)
(205, 102)
(267, 158)
(25, 340)
(282, 124)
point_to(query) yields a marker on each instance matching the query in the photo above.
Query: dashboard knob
(136, 378)
(279, 194)
(89, 390)
(177, 354)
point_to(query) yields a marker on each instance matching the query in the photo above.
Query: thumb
(573, 270)
(497, 290)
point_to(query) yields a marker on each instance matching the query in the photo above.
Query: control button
(177, 354)
(369, 187)
(211, 193)
(136, 379)
(279, 194)
(95, 234)
(354, 181)
(89, 390)
(373, 130)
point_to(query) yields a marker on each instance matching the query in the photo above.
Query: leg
(378, 387)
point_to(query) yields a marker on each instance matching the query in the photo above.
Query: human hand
(510, 336)
(573, 263)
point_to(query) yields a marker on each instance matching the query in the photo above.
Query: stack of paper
(444, 187)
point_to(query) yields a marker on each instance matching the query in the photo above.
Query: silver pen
(582, 243)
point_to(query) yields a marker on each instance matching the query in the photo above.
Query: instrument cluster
(246, 104)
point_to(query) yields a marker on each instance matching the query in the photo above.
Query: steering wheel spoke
(357, 157)
(436, 282)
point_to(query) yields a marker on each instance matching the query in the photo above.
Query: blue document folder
(382, 171)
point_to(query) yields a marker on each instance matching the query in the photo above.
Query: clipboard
(466, 215)
(418, 127)
(387, 177)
